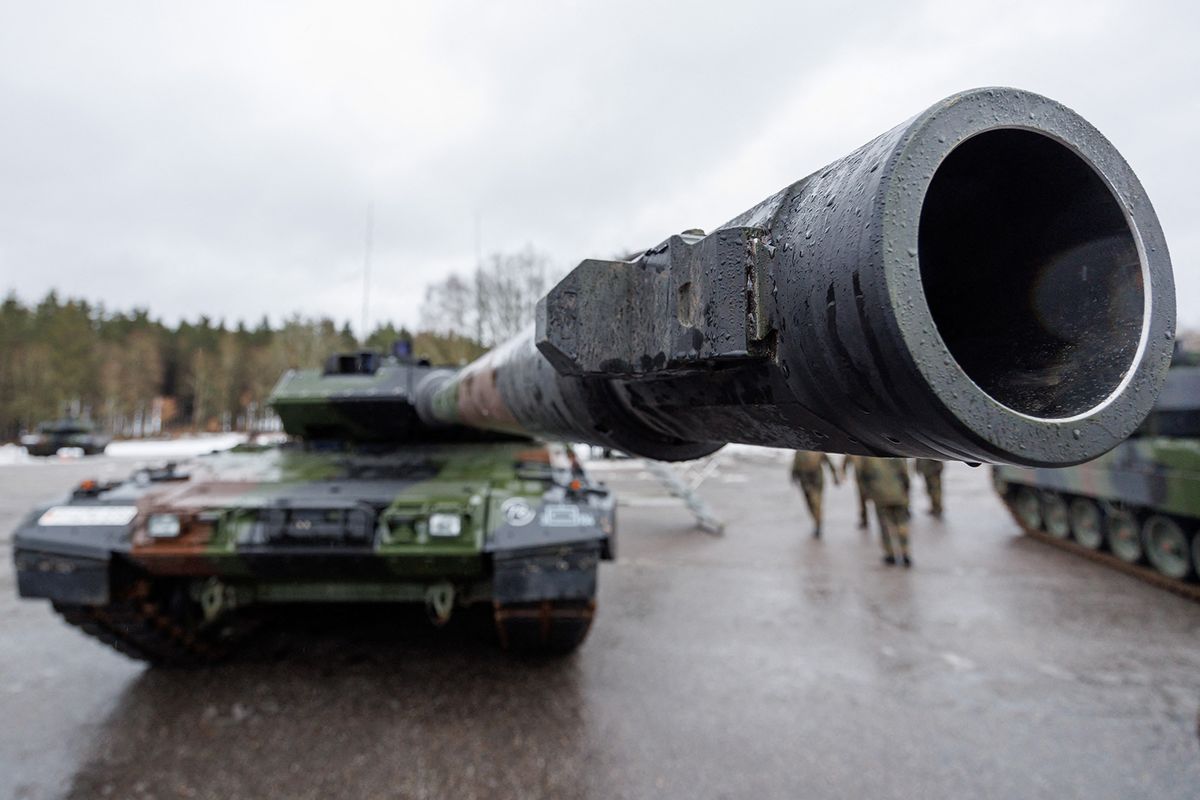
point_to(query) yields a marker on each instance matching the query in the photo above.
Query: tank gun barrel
(985, 282)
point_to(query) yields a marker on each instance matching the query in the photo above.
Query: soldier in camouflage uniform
(931, 470)
(855, 463)
(808, 471)
(886, 481)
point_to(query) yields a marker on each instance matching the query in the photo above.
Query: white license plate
(565, 516)
(62, 516)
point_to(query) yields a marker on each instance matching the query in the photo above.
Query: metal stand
(684, 487)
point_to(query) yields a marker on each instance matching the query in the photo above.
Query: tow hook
(216, 598)
(439, 603)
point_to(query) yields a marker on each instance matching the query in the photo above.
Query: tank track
(552, 628)
(143, 628)
(160, 625)
(1182, 588)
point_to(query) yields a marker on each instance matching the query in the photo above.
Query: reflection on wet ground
(331, 707)
(761, 663)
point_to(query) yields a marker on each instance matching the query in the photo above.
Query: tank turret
(365, 397)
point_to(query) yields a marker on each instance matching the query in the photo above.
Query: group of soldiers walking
(883, 482)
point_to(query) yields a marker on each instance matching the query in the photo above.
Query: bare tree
(509, 285)
(495, 304)
(449, 307)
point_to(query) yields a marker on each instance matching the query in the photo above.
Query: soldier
(886, 482)
(931, 471)
(808, 471)
(855, 462)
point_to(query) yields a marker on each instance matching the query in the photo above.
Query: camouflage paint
(473, 398)
(1156, 473)
(397, 491)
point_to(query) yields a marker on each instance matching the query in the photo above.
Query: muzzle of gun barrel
(985, 282)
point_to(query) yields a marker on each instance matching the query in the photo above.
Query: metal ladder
(684, 487)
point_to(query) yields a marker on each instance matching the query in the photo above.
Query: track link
(544, 628)
(144, 629)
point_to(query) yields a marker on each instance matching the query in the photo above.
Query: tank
(69, 432)
(986, 281)
(366, 505)
(1138, 506)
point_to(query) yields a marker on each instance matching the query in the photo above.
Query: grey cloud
(217, 160)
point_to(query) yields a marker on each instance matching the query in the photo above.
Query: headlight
(445, 525)
(87, 516)
(163, 526)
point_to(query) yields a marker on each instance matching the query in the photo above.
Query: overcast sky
(212, 159)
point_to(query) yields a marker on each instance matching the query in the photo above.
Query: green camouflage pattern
(885, 481)
(1140, 501)
(279, 517)
(1156, 473)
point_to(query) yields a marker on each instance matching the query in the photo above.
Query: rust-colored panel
(479, 400)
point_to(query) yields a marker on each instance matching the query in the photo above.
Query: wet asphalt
(758, 664)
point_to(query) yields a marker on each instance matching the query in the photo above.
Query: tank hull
(449, 526)
(1136, 508)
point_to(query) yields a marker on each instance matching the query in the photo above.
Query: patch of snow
(616, 465)
(274, 437)
(756, 452)
(183, 447)
(14, 454)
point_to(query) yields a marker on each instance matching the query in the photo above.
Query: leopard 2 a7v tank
(1138, 506)
(72, 433)
(368, 504)
(986, 281)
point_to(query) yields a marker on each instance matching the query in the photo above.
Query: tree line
(134, 375)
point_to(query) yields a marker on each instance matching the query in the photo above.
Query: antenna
(478, 237)
(369, 246)
(479, 301)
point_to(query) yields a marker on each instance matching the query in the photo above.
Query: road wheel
(1121, 531)
(1056, 521)
(1087, 523)
(1167, 547)
(1027, 509)
(552, 628)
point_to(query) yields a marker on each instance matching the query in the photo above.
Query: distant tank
(1138, 504)
(369, 504)
(986, 281)
(71, 432)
